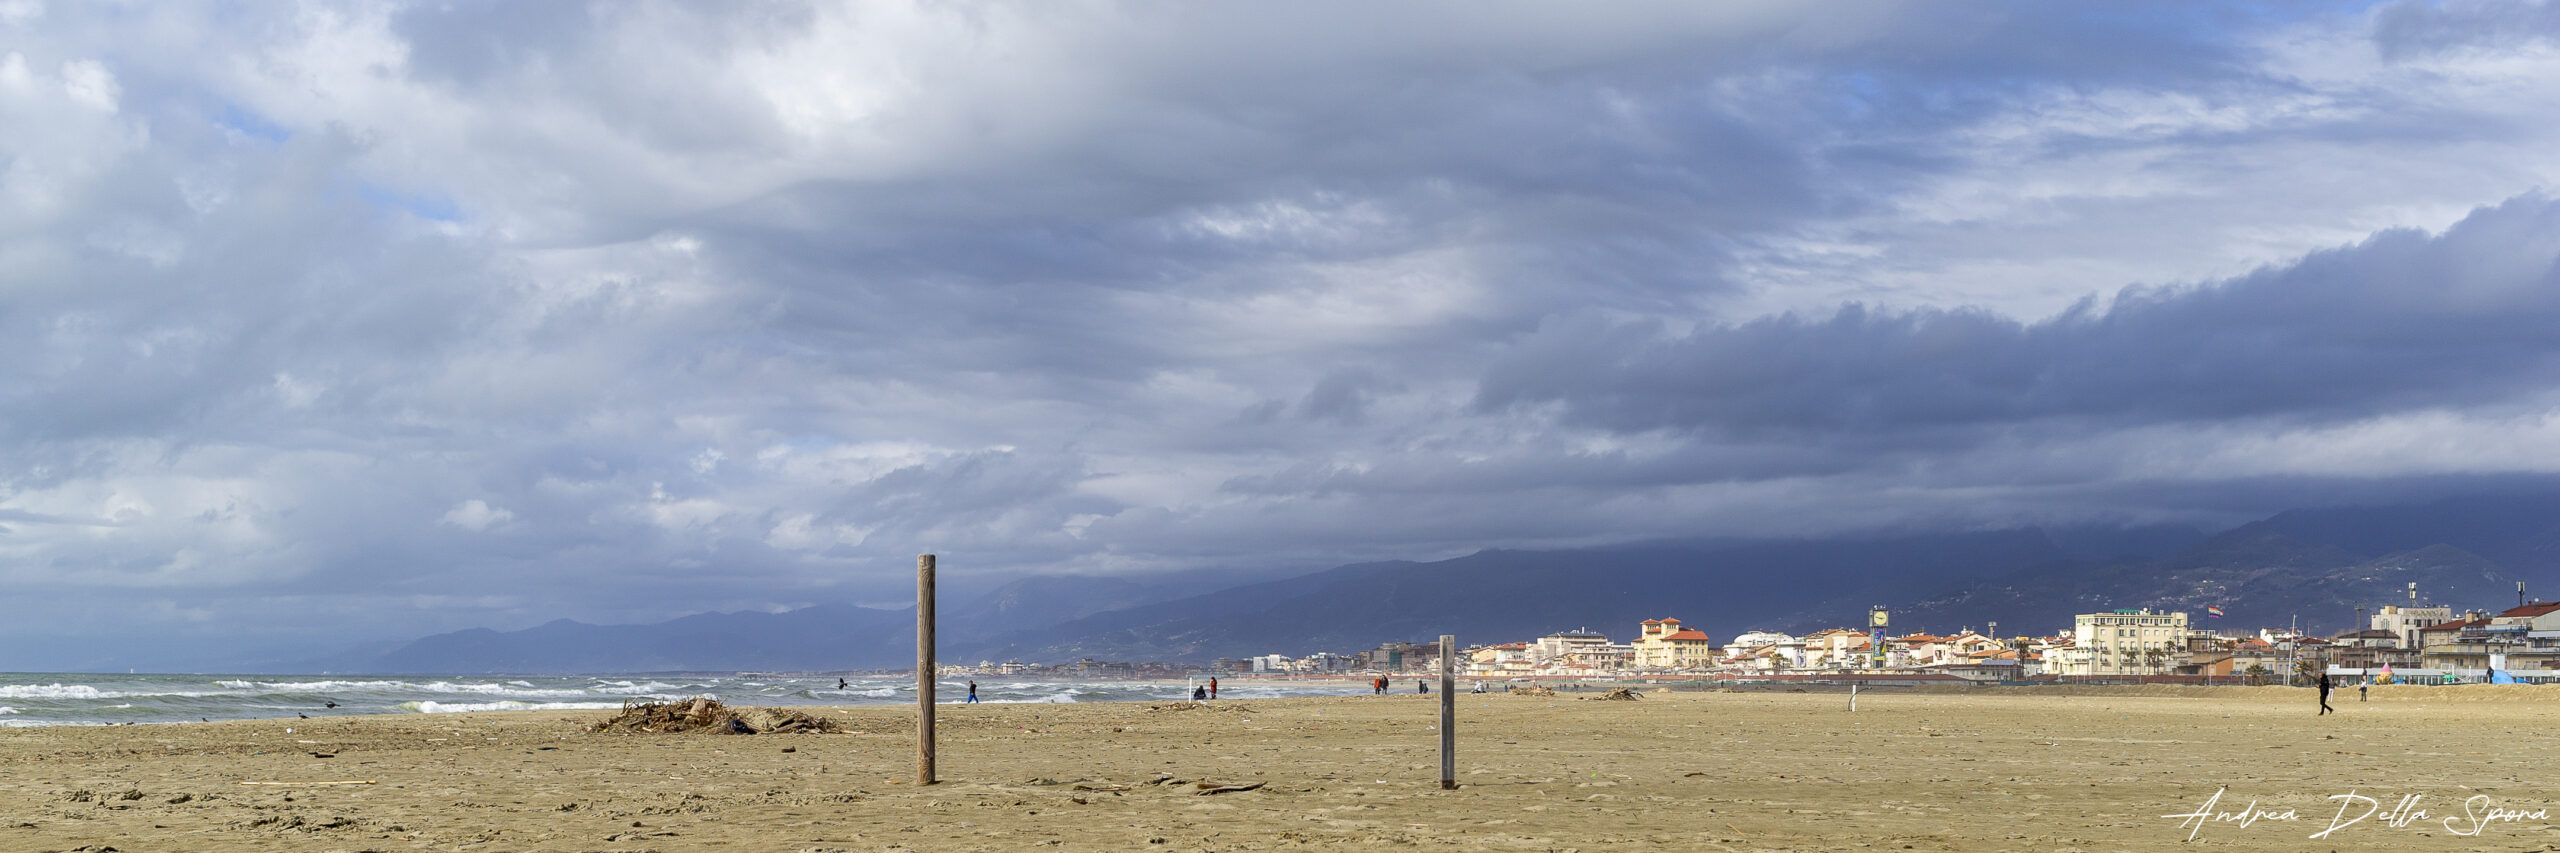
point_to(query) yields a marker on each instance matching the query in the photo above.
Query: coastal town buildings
(2429, 644)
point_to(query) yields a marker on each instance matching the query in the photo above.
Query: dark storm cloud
(2403, 321)
(374, 320)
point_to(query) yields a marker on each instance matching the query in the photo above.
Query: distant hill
(824, 637)
(2258, 575)
(2317, 565)
(1041, 601)
(2520, 532)
(1518, 595)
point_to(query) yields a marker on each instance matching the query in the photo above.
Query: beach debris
(1207, 788)
(1619, 695)
(1198, 706)
(313, 784)
(708, 714)
(1533, 691)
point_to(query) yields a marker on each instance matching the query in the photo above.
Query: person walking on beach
(1213, 687)
(2361, 687)
(2324, 694)
(973, 693)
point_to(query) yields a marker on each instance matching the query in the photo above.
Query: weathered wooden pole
(924, 669)
(1448, 712)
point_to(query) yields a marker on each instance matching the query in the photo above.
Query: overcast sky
(329, 322)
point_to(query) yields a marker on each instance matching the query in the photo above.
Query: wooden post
(1448, 713)
(924, 669)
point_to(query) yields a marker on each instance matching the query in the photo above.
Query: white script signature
(2478, 812)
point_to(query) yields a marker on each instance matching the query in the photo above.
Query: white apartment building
(2405, 621)
(2125, 642)
(1577, 643)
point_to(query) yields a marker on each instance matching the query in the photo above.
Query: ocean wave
(434, 707)
(625, 688)
(512, 688)
(4, 709)
(306, 686)
(54, 691)
(1066, 698)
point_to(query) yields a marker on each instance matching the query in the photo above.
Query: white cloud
(476, 515)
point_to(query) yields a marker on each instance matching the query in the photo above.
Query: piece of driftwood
(313, 784)
(1207, 788)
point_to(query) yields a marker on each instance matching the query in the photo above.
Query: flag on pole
(2213, 611)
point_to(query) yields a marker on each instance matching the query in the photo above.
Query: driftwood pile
(1619, 695)
(1533, 691)
(707, 714)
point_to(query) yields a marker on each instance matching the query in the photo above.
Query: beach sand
(2027, 769)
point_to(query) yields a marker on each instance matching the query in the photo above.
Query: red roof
(1687, 634)
(2531, 610)
(2454, 626)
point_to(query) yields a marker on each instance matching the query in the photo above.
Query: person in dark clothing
(1199, 693)
(2361, 687)
(2325, 686)
(1425, 686)
(973, 693)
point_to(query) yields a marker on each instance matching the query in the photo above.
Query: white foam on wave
(625, 688)
(1067, 698)
(4, 709)
(511, 688)
(306, 686)
(30, 724)
(54, 691)
(434, 707)
(494, 689)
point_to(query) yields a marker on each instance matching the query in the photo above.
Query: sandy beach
(2095, 769)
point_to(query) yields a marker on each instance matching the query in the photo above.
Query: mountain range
(2307, 567)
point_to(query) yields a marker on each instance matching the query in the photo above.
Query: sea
(58, 699)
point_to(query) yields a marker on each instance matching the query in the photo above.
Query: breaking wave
(430, 706)
(54, 691)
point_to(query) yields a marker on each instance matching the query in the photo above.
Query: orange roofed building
(1663, 644)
